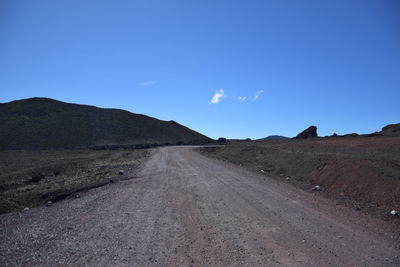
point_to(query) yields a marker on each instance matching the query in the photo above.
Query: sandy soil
(184, 209)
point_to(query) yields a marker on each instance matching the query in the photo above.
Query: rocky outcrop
(307, 133)
(391, 130)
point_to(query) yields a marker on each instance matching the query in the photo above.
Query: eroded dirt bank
(363, 172)
(32, 178)
(184, 209)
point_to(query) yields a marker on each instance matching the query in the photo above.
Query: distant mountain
(37, 123)
(272, 137)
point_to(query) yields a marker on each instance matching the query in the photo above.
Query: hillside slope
(37, 123)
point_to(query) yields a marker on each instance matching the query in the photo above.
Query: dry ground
(185, 209)
(363, 171)
(64, 172)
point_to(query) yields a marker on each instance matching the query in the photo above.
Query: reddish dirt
(185, 209)
(362, 171)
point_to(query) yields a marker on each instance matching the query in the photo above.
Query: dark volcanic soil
(185, 209)
(32, 178)
(362, 171)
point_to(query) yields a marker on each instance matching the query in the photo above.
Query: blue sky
(276, 66)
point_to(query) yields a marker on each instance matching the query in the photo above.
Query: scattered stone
(287, 178)
(394, 213)
(262, 170)
(77, 196)
(36, 176)
(307, 133)
(50, 203)
(25, 209)
(121, 172)
(316, 188)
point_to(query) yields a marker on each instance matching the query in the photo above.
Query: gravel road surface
(184, 209)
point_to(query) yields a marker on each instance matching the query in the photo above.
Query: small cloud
(147, 83)
(242, 98)
(219, 94)
(257, 95)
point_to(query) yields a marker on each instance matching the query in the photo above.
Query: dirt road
(184, 209)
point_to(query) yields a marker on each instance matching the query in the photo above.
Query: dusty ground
(363, 172)
(185, 209)
(60, 173)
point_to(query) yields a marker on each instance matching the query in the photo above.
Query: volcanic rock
(309, 132)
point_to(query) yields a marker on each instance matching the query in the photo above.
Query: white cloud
(242, 98)
(257, 94)
(147, 83)
(219, 94)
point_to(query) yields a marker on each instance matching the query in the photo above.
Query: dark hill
(37, 123)
(391, 130)
(272, 137)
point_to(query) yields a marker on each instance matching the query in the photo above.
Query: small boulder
(222, 140)
(120, 172)
(36, 176)
(394, 213)
(307, 133)
(316, 188)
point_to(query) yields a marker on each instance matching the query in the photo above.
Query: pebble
(394, 213)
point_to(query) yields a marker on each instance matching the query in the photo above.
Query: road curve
(184, 209)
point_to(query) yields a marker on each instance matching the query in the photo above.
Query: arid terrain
(363, 172)
(45, 123)
(33, 178)
(185, 209)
